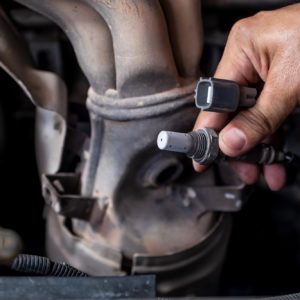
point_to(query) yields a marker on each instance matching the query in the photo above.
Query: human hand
(263, 47)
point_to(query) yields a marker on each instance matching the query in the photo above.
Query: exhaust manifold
(146, 209)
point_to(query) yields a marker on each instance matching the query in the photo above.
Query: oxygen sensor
(202, 146)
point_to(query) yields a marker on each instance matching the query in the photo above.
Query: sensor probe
(203, 147)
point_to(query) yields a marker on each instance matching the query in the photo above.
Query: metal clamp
(61, 192)
(214, 199)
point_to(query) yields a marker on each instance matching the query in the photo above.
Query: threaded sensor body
(201, 145)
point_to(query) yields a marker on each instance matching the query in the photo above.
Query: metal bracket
(222, 198)
(61, 192)
(214, 198)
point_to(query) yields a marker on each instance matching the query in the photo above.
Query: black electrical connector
(219, 95)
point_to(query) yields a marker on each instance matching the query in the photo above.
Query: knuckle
(257, 122)
(241, 27)
(261, 15)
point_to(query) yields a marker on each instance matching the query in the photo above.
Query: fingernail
(234, 139)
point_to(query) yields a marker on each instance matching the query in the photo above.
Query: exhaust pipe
(142, 211)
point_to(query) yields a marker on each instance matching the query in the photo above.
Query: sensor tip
(201, 145)
(174, 141)
(163, 140)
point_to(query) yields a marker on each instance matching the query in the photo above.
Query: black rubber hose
(39, 265)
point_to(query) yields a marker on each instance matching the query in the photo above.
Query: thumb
(251, 126)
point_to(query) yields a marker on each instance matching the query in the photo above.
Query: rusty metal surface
(61, 192)
(89, 35)
(142, 51)
(151, 209)
(186, 34)
(46, 90)
(194, 271)
(128, 223)
(92, 256)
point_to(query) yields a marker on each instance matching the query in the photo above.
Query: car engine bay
(86, 88)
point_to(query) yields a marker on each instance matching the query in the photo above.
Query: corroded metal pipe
(142, 213)
(143, 55)
(186, 34)
(89, 36)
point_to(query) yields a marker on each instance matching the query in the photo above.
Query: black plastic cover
(217, 95)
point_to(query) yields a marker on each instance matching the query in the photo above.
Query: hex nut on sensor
(206, 146)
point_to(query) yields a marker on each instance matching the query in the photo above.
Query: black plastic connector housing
(219, 95)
